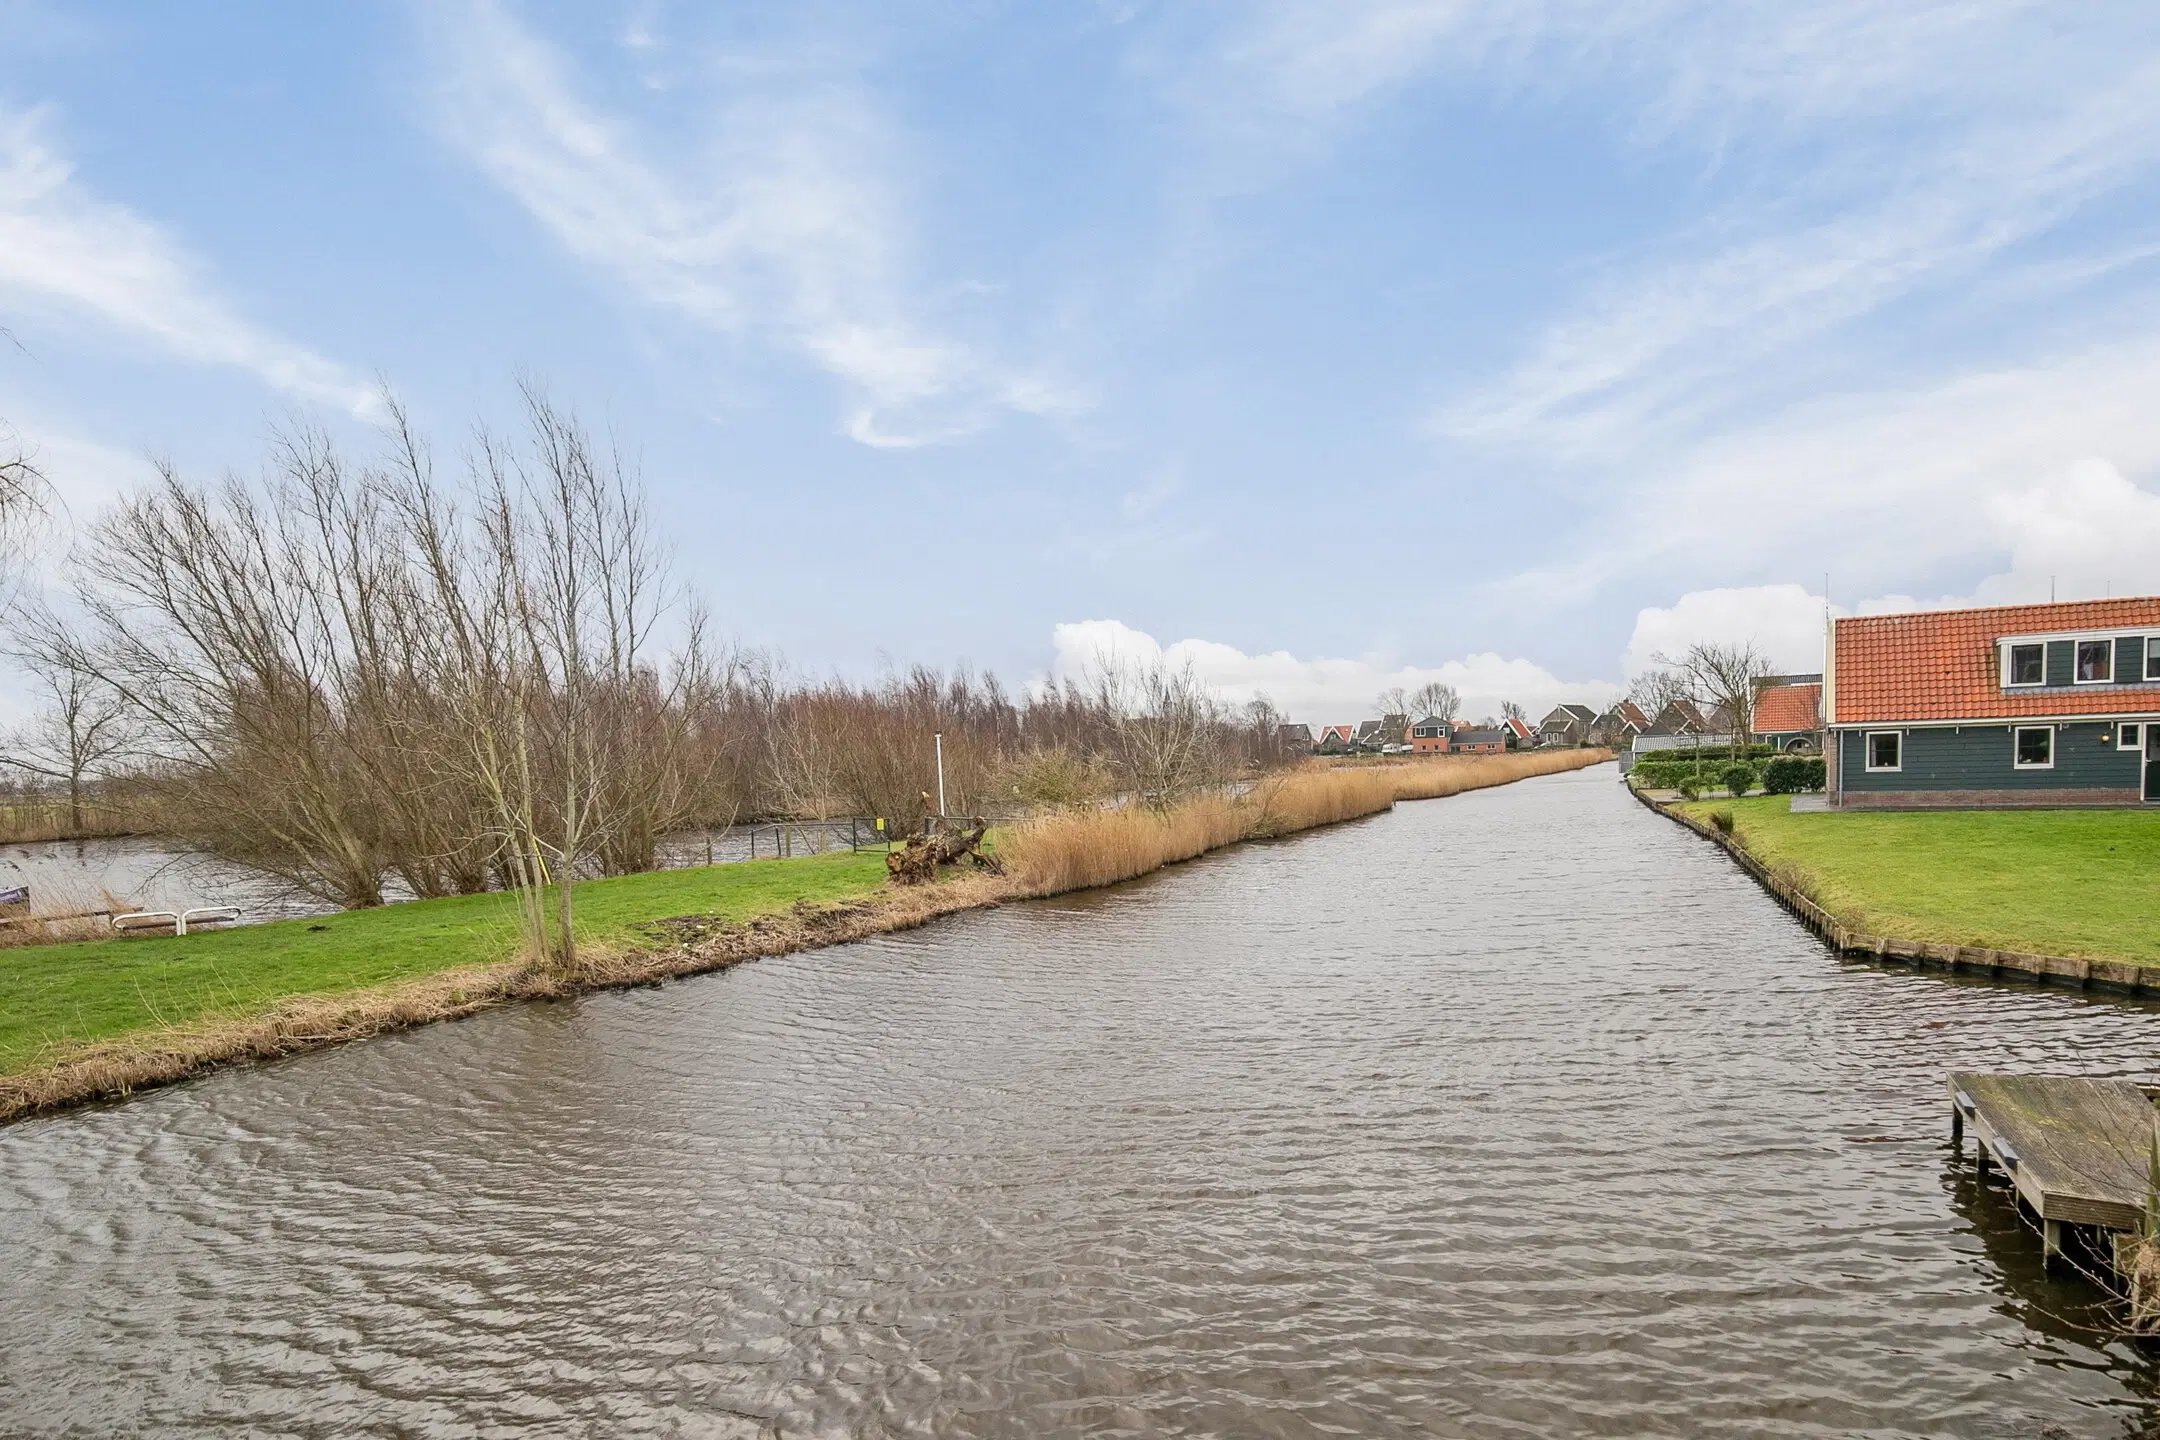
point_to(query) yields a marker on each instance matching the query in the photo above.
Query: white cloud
(64, 249)
(2083, 533)
(787, 221)
(1321, 691)
(1784, 622)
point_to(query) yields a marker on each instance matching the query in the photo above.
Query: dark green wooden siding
(1978, 757)
(2062, 666)
(2129, 659)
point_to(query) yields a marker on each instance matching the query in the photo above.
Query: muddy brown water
(1519, 1113)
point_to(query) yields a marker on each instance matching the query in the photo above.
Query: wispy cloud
(65, 249)
(785, 221)
(1672, 339)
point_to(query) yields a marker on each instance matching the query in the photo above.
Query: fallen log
(917, 861)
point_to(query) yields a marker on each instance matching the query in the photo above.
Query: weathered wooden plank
(2077, 1149)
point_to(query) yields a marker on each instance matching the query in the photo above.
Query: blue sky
(1332, 344)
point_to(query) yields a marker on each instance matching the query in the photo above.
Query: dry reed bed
(1061, 853)
(1080, 850)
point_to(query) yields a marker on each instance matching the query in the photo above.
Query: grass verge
(2073, 883)
(101, 1018)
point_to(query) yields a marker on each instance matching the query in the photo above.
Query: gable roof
(1633, 714)
(1941, 664)
(1679, 717)
(1480, 737)
(1623, 715)
(1565, 714)
(1340, 732)
(1783, 709)
(1520, 727)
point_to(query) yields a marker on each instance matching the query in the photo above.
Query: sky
(1329, 345)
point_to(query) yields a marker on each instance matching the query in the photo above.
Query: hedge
(1791, 774)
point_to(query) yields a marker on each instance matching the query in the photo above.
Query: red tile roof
(1521, 729)
(1783, 709)
(1941, 664)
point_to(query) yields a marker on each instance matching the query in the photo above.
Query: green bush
(1688, 789)
(1791, 774)
(1738, 777)
(1721, 821)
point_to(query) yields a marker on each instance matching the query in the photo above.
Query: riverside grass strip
(2114, 975)
(100, 1019)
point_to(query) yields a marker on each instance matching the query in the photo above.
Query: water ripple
(1521, 1113)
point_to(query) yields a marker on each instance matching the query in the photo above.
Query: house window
(2152, 657)
(2130, 735)
(2035, 747)
(1885, 750)
(2027, 665)
(2095, 661)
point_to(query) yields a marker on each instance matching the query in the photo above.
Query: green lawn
(2079, 883)
(99, 989)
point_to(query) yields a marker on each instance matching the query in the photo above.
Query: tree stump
(917, 861)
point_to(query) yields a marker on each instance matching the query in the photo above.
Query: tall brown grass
(1079, 849)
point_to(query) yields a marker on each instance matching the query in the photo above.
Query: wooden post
(1957, 1128)
(2050, 1241)
(1980, 1150)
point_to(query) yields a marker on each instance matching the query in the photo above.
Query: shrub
(1791, 774)
(1721, 821)
(1738, 777)
(1688, 789)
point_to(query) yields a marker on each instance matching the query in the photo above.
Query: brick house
(1788, 712)
(2021, 705)
(1474, 741)
(1431, 736)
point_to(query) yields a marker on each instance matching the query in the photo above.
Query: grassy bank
(96, 1018)
(2074, 883)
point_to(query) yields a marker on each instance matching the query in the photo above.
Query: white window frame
(2151, 650)
(2041, 646)
(2130, 735)
(2080, 643)
(2016, 763)
(1867, 750)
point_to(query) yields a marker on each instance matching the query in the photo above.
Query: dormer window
(2095, 661)
(2025, 665)
(2152, 657)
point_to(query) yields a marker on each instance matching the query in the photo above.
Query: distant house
(1566, 725)
(1519, 732)
(1788, 712)
(1375, 736)
(1296, 739)
(1680, 717)
(1336, 740)
(1431, 736)
(1474, 741)
(2024, 705)
(1619, 725)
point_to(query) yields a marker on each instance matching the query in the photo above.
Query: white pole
(941, 774)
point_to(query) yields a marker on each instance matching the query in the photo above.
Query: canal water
(1519, 1113)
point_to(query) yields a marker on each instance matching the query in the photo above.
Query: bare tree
(1394, 701)
(1723, 678)
(1509, 710)
(1435, 699)
(1164, 729)
(82, 731)
(1653, 690)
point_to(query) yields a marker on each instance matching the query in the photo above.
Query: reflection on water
(1521, 1113)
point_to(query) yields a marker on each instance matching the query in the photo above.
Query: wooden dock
(2075, 1151)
